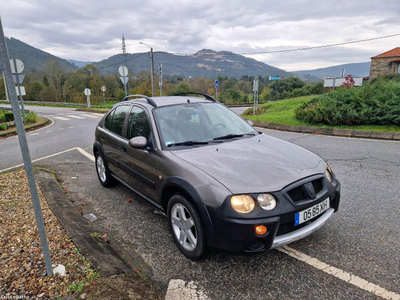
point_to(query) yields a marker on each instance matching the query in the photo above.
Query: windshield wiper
(231, 136)
(187, 143)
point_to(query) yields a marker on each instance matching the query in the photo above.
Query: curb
(92, 110)
(42, 121)
(100, 254)
(377, 135)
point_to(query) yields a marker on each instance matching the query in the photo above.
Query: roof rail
(208, 97)
(149, 100)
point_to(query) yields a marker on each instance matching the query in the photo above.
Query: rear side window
(107, 122)
(115, 121)
(138, 124)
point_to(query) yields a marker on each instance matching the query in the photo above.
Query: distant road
(70, 129)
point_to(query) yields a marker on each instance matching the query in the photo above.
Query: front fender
(187, 188)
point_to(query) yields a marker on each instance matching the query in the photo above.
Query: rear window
(115, 120)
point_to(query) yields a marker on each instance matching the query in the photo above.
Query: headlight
(242, 203)
(328, 175)
(266, 201)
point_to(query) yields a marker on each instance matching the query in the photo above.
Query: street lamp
(152, 68)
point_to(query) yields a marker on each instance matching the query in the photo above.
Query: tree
(33, 92)
(89, 70)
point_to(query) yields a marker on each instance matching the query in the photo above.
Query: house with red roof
(385, 63)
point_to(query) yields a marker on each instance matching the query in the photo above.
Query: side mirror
(250, 123)
(138, 142)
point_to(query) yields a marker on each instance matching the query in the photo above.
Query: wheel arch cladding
(174, 185)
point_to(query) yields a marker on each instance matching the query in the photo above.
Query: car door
(140, 165)
(111, 136)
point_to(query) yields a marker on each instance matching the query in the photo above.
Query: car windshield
(199, 124)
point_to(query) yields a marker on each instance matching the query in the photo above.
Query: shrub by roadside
(376, 103)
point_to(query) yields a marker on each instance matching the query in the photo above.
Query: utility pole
(160, 83)
(152, 68)
(5, 60)
(124, 63)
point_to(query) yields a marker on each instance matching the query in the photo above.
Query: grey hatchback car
(222, 184)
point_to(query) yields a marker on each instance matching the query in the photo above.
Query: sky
(91, 30)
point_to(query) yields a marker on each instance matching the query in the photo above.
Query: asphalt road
(70, 129)
(363, 238)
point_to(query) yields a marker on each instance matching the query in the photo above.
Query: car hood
(254, 165)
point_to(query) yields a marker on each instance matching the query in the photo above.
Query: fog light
(261, 230)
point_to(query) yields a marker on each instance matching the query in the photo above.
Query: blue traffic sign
(216, 84)
(274, 78)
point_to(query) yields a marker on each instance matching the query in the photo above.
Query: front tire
(186, 227)
(103, 173)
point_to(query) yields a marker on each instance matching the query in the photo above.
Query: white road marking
(62, 118)
(75, 117)
(35, 160)
(49, 130)
(91, 116)
(71, 127)
(61, 129)
(36, 133)
(179, 289)
(88, 155)
(340, 274)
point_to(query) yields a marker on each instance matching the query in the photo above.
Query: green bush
(30, 118)
(2, 117)
(377, 103)
(3, 126)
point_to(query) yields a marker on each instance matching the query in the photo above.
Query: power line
(304, 48)
(324, 46)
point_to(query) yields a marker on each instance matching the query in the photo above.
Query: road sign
(103, 89)
(87, 92)
(123, 70)
(274, 78)
(18, 78)
(216, 84)
(124, 79)
(255, 85)
(23, 92)
(18, 63)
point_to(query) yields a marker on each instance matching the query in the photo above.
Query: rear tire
(186, 227)
(103, 173)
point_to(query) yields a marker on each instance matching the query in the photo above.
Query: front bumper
(234, 234)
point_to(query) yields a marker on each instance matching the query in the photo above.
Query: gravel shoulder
(22, 269)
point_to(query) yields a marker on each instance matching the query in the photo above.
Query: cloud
(91, 30)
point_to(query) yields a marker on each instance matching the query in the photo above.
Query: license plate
(311, 213)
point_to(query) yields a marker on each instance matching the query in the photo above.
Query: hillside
(355, 69)
(34, 59)
(206, 63)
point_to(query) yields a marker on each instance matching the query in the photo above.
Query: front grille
(300, 193)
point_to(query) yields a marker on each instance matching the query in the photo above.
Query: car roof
(170, 100)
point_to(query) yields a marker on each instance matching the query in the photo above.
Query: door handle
(103, 138)
(123, 149)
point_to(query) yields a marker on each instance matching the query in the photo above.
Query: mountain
(33, 59)
(78, 63)
(205, 62)
(355, 69)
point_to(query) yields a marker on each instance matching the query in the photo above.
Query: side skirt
(139, 193)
